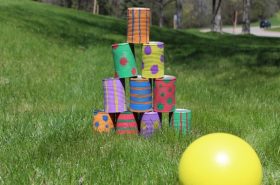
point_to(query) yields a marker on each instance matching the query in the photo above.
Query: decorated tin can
(124, 61)
(164, 94)
(149, 123)
(181, 120)
(138, 27)
(114, 95)
(153, 60)
(102, 122)
(126, 123)
(140, 95)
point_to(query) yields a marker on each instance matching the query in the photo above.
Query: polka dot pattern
(134, 71)
(105, 118)
(102, 122)
(164, 94)
(148, 50)
(154, 69)
(162, 58)
(160, 106)
(123, 61)
(153, 60)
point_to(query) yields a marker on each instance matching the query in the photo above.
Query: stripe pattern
(181, 121)
(138, 29)
(140, 95)
(126, 124)
(114, 95)
(150, 122)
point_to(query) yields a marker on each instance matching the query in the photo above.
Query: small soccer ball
(220, 159)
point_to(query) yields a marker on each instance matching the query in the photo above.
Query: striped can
(124, 61)
(140, 95)
(181, 121)
(150, 122)
(153, 60)
(102, 122)
(114, 95)
(138, 27)
(164, 94)
(126, 124)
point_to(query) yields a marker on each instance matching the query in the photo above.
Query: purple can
(150, 122)
(114, 95)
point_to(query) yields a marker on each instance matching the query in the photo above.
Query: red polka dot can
(124, 61)
(164, 94)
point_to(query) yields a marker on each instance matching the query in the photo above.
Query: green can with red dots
(124, 61)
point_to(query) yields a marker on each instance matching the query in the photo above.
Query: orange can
(138, 28)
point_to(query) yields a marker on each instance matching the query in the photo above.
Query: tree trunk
(235, 19)
(217, 17)
(161, 14)
(179, 12)
(246, 16)
(94, 6)
(68, 3)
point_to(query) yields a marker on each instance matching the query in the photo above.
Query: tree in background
(246, 16)
(179, 12)
(161, 4)
(189, 13)
(216, 16)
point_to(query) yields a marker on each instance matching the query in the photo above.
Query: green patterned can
(181, 120)
(124, 61)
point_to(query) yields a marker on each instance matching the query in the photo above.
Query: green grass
(275, 20)
(275, 29)
(52, 62)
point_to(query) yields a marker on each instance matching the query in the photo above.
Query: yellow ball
(220, 159)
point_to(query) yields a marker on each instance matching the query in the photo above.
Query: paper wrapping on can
(153, 60)
(164, 94)
(138, 26)
(140, 95)
(102, 122)
(126, 124)
(124, 61)
(150, 122)
(181, 121)
(114, 95)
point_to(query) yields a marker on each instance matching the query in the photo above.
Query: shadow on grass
(181, 46)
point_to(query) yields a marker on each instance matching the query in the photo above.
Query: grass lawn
(52, 62)
(275, 29)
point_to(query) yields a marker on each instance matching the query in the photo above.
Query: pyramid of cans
(151, 93)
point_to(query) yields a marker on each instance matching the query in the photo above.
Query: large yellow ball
(220, 159)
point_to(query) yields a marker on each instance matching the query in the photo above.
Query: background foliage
(196, 13)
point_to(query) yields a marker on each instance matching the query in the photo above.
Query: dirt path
(254, 30)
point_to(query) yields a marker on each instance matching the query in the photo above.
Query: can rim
(140, 78)
(120, 44)
(138, 8)
(111, 78)
(153, 43)
(166, 77)
(182, 110)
